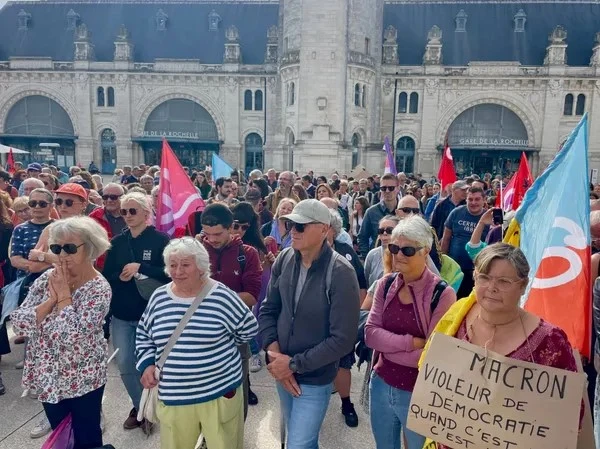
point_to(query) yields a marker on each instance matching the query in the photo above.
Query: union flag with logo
(552, 227)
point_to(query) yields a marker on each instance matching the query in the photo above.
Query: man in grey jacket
(306, 325)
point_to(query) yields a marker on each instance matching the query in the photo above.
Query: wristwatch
(41, 257)
(293, 367)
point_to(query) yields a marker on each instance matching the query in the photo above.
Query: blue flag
(220, 168)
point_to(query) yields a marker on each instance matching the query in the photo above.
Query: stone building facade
(301, 84)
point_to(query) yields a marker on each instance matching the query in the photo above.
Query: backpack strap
(241, 258)
(437, 294)
(329, 275)
(388, 283)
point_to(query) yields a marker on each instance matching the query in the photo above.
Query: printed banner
(466, 397)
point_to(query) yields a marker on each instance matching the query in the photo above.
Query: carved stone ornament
(123, 34)
(558, 35)
(214, 19)
(555, 87)
(435, 35)
(595, 59)
(388, 85)
(431, 85)
(390, 35)
(161, 20)
(232, 34)
(273, 34)
(83, 34)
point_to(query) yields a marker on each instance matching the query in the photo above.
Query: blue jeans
(123, 335)
(304, 415)
(389, 412)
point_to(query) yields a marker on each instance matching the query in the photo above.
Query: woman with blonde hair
(324, 191)
(276, 228)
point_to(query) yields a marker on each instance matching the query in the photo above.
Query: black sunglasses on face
(387, 188)
(111, 197)
(387, 231)
(42, 204)
(408, 251)
(132, 211)
(242, 226)
(298, 227)
(410, 210)
(69, 202)
(69, 248)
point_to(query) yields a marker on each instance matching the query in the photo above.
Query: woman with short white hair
(403, 315)
(205, 359)
(63, 316)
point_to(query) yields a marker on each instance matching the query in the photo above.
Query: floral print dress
(66, 355)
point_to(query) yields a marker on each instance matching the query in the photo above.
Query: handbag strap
(188, 315)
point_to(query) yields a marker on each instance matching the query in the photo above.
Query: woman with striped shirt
(200, 388)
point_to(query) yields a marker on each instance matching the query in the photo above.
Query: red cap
(73, 189)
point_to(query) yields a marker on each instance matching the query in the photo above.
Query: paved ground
(18, 415)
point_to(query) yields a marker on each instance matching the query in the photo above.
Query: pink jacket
(396, 348)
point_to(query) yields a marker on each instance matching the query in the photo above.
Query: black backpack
(363, 352)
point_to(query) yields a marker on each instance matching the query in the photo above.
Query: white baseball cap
(309, 211)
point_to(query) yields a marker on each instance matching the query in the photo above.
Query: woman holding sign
(407, 306)
(491, 316)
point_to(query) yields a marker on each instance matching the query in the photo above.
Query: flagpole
(501, 194)
(393, 141)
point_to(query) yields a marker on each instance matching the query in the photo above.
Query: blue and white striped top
(205, 363)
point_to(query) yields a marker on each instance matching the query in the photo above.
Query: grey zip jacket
(323, 327)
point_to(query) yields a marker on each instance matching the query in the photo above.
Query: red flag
(446, 174)
(177, 196)
(523, 180)
(10, 162)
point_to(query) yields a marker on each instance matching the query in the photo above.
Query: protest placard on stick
(467, 397)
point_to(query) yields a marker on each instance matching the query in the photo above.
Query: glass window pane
(402, 103)
(258, 100)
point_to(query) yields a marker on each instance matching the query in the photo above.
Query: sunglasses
(387, 231)
(410, 210)
(111, 197)
(298, 227)
(132, 211)
(387, 188)
(408, 251)
(69, 248)
(69, 202)
(242, 226)
(184, 241)
(42, 204)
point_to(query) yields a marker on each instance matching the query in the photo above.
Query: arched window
(405, 154)
(580, 106)
(355, 153)
(414, 103)
(364, 96)
(258, 100)
(254, 152)
(248, 100)
(100, 96)
(109, 150)
(402, 103)
(568, 109)
(292, 98)
(110, 94)
(357, 94)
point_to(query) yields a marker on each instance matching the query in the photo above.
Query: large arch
(63, 102)
(460, 106)
(151, 104)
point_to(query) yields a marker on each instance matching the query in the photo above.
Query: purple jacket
(396, 348)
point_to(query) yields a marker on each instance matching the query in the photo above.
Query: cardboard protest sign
(467, 398)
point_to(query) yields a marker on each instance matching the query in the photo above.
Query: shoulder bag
(149, 400)
(145, 285)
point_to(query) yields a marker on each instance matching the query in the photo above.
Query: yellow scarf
(449, 325)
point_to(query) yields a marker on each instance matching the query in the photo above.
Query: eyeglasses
(22, 211)
(69, 248)
(298, 227)
(69, 202)
(132, 211)
(410, 210)
(502, 284)
(243, 226)
(111, 197)
(185, 241)
(387, 188)
(408, 251)
(387, 231)
(43, 204)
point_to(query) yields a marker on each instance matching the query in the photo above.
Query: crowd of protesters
(291, 266)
